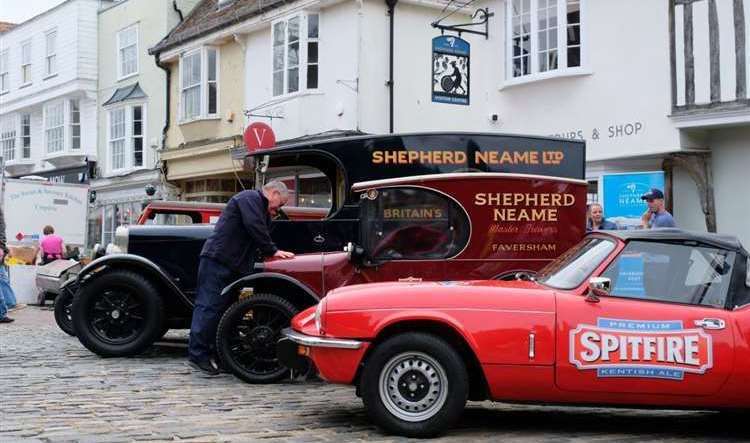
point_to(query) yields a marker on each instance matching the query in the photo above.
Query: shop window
(676, 273)
(413, 224)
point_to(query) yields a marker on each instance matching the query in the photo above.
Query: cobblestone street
(53, 389)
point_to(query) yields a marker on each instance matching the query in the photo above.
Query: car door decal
(640, 348)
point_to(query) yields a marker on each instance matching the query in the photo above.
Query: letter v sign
(259, 136)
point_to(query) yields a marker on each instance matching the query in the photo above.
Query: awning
(129, 92)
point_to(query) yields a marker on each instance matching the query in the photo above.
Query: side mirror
(598, 287)
(747, 273)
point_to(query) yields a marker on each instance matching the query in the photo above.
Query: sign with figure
(450, 70)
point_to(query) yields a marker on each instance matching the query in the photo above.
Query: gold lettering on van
(524, 207)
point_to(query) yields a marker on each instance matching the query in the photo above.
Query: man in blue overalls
(227, 255)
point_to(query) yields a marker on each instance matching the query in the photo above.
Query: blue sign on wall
(450, 70)
(622, 195)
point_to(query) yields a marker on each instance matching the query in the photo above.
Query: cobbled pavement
(53, 389)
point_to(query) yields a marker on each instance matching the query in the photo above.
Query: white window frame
(120, 74)
(47, 129)
(22, 137)
(4, 71)
(50, 59)
(202, 85)
(127, 138)
(123, 138)
(302, 63)
(141, 136)
(562, 47)
(26, 63)
(10, 123)
(70, 124)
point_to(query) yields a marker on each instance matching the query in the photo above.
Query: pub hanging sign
(450, 70)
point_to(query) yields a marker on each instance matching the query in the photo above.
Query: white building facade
(604, 72)
(132, 111)
(653, 87)
(48, 76)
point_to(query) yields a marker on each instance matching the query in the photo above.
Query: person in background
(656, 216)
(6, 292)
(51, 247)
(596, 221)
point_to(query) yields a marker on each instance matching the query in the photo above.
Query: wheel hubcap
(413, 386)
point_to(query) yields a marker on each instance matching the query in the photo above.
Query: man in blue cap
(656, 216)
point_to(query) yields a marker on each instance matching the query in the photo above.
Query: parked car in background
(52, 277)
(653, 318)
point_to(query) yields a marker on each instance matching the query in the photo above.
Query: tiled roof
(6, 26)
(207, 17)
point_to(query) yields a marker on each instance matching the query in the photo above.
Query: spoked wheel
(118, 314)
(64, 312)
(414, 384)
(247, 335)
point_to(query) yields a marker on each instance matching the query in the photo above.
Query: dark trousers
(209, 306)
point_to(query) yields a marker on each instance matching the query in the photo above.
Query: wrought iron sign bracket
(483, 15)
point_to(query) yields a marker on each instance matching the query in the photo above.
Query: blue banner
(622, 195)
(450, 70)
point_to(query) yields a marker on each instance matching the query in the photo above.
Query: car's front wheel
(414, 384)
(118, 314)
(63, 315)
(247, 335)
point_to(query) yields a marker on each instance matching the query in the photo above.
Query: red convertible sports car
(634, 318)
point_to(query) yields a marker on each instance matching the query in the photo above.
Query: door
(663, 329)
(410, 232)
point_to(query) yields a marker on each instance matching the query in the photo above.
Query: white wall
(731, 162)
(313, 111)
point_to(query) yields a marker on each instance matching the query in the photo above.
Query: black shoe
(7, 320)
(204, 366)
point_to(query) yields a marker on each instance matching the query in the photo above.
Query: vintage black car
(129, 298)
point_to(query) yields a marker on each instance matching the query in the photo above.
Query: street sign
(259, 136)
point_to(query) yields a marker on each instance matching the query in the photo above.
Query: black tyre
(63, 312)
(414, 384)
(247, 335)
(118, 314)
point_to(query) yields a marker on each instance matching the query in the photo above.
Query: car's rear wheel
(414, 384)
(247, 335)
(63, 312)
(118, 314)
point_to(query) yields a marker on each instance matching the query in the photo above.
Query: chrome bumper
(320, 342)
